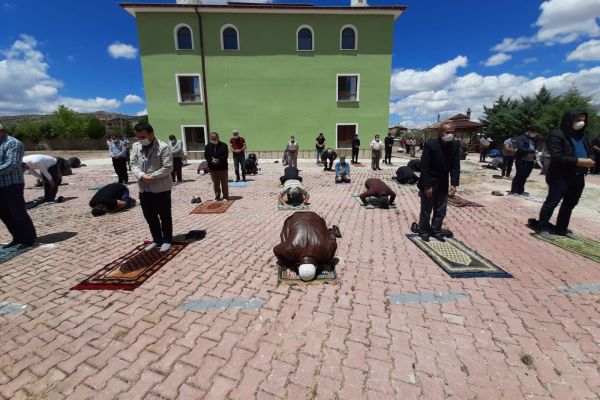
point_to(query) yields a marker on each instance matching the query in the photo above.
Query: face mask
(173, 141)
(532, 135)
(293, 141)
(144, 142)
(214, 141)
(578, 125)
(448, 137)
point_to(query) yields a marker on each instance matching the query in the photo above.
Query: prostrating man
(569, 150)
(320, 146)
(307, 245)
(293, 194)
(484, 145)
(509, 148)
(290, 173)
(216, 154)
(389, 145)
(238, 151)
(440, 160)
(118, 152)
(415, 165)
(202, 168)
(292, 150)
(342, 171)
(111, 198)
(376, 188)
(524, 160)
(596, 155)
(12, 185)
(177, 151)
(355, 149)
(152, 163)
(405, 175)
(376, 146)
(49, 173)
(327, 158)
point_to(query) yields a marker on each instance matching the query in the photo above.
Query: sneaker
(424, 236)
(151, 247)
(165, 247)
(439, 237)
(225, 199)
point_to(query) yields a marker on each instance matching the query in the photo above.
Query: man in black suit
(355, 149)
(440, 160)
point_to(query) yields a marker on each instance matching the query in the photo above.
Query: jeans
(120, 165)
(51, 190)
(375, 157)
(177, 167)
(320, 151)
(388, 155)
(355, 151)
(483, 154)
(239, 163)
(507, 163)
(157, 211)
(293, 158)
(220, 183)
(569, 191)
(524, 169)
(438, 203)
(14, 215)
(413, 150)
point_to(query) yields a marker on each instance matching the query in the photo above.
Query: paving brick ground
(343, 341)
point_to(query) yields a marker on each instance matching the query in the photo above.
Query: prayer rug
(212, 207)
(238, 184)
(299, 208)
(457, 259)
(371, 200)
(131, 270)
(358, 165)
(287, 275)
(96, 187)
(579, 245)
(460, 202)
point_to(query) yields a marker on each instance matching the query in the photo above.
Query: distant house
(397, 130)
(466, 129)
(270, 70)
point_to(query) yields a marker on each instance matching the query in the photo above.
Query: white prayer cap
(307, 271)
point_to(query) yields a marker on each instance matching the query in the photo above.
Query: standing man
(238, 148)
(355, 149)
(49, 173)
(12, 185)
(216, 154)
(440, 162)
(596, 155)
(389, 145)
(569, 150)
(320, 146)
(327, 158)
(152, 163)
(376, 146)
(292, 150)
(177, 151)
(413, 146)
(342, 171)
(524, 160)
(484, 144)
(509, 148)
(118, 151)
(407, 146)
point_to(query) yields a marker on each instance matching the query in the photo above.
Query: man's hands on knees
(428, 192)
(452, 191)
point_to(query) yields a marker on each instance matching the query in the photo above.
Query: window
(183, 38)
(305, 39)
(348, 87)
(194, 137)
(229, 38)
(188, 89)
(348, 38)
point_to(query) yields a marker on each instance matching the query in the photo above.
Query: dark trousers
(569, 191)
(328, 162)
(51, 190)
(507, 163)
(14, 215)
(524, 169)
(239, 163)
(177, 167)
(596, 157)
(388, 155)
(375, 158)
(438, 203)
(319, 153)
(157, 211)
(482, 154)
(220, 183)
(120, 165)
(355, 151)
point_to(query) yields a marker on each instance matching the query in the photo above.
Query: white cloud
(497, 59)
(510, 44)
(142, 113)
(588, 51)
(408, 81)
(27, 88)
(530, 60)
(122, 50)
(132, 99)
(474, 90)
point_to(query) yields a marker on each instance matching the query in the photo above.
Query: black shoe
(424, 236)
(414, 227)
(218, 198)
(447, 233)
(378, 169)
(438, 236)
(237, 180)
(244, 180)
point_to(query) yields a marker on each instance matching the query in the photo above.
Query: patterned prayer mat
(357, 165)
(457, 201)
(131, 270)
(580, 245)
(299, 208)
(370, 206)
(457, 259)
(288, 276)
(212, 207)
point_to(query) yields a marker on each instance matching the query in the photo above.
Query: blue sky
(441, 60)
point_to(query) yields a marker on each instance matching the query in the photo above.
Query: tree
(67, 123)
(94, 129)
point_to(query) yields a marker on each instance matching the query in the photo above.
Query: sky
(447, 56)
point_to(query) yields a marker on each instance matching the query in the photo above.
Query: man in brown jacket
(307, 245)
(378, 189)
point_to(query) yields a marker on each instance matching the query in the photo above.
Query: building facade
(270, 71)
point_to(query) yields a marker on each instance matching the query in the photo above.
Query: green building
(268, 70)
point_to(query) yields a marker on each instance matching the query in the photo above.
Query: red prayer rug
(212, 207)
(460, 202)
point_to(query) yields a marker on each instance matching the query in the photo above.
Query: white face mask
(214, 141)
(144, 142)
(448, 137)
(578, 125)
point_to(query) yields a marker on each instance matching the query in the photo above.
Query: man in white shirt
(376, 147)
(293, 194)
(45, 168)
(484, 144)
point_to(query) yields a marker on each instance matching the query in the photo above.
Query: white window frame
(337, 78)
(175, 36)
(179, 89)
(336, 130)
(355, 37)
(312, 31)
(237, 32)
(185, 149)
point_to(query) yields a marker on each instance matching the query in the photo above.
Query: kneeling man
(342, 171)
(111, 198)
(307, 245)
(383, 194)
(293, 195)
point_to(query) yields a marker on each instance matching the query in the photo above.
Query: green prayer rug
(579, 245)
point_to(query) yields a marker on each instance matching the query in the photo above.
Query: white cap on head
(307, 272)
